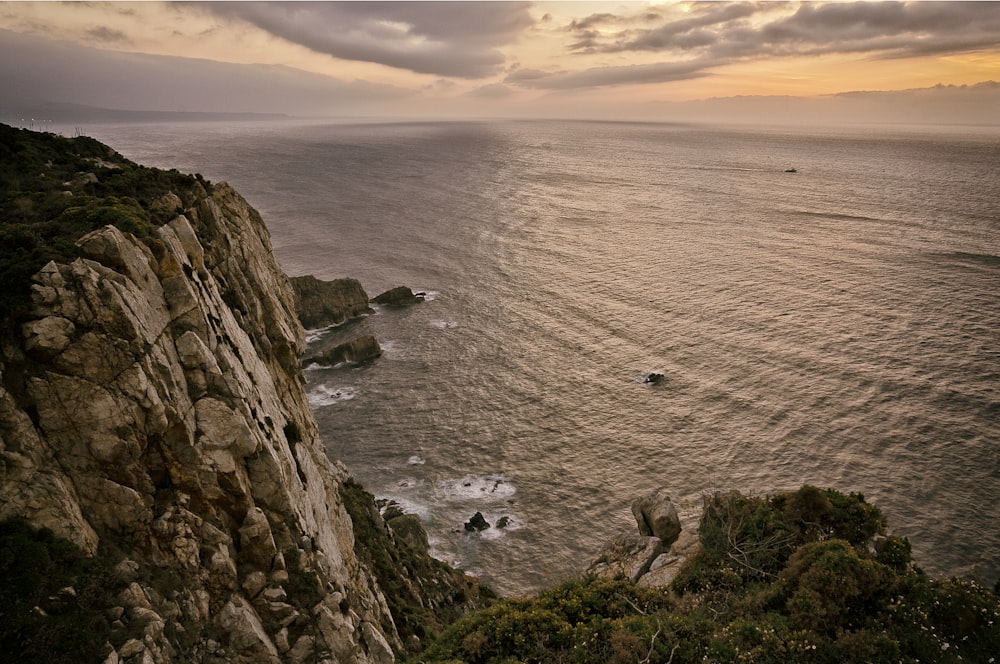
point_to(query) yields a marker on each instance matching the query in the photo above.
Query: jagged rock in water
(656, 516)
(653, 378)
(357, 351)
(322, 303)
(476, 523)
(153, 403)
(400, 296)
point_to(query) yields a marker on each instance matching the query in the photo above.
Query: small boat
(791, 170)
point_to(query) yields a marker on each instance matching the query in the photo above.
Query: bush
(41, 621)
(781, 579)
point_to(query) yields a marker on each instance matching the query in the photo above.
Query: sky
(905, 61)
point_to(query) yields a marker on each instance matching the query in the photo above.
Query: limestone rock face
(154, 404)
(322, 303)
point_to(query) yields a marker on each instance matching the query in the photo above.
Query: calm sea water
(838, 326)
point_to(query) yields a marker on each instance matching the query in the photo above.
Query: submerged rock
(399, 296)
(357, 351)
(653, 378)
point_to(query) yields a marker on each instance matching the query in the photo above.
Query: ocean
(838, 325)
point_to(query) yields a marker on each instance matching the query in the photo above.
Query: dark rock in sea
(656, 516)
(321, 303)
(400, 296)
(503, 522)
(477, 523)
(653, 378)
(356, 351)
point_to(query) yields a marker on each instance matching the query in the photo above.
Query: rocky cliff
(152, 412)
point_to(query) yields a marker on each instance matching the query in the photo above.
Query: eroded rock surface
(153, 409)
(323, 303)
(652, 557)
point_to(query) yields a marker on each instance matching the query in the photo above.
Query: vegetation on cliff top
(800, 577)
(54, 190)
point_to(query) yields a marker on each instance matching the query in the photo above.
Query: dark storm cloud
(887, 29)
(37, 69)
(713, 34)
(880, 28)
(457, 39)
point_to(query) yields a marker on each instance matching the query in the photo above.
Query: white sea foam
(444, 324)
(473, 488)
(415, 461)
(317, 333)
(323, 395)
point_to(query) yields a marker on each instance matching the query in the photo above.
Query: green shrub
(781, 579)
(830, 585)
(40, 620)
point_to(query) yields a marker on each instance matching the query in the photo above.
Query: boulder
(626, 557)
(321, 303)
(664, 569)
(356, 351)
(477, 523)
(656, 516)
(400, 296)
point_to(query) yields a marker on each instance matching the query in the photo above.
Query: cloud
(608, 76)
(881, 28)
(713, 34)
(106, 34)
(938, 105)
(456, 39)
(492, 91)
(37, 69)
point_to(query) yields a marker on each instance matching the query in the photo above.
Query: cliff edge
(152, 412)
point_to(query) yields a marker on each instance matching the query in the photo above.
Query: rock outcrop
(400, 296)
(358, 350)
(322, 303)
(153, 412)
(653, 556)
